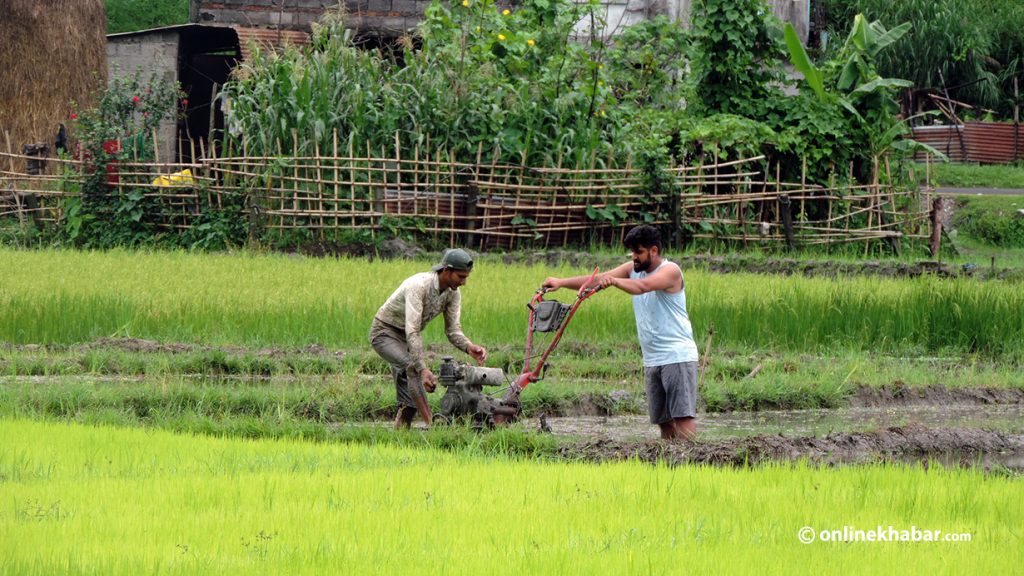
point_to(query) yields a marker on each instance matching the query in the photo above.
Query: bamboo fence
(484, 204)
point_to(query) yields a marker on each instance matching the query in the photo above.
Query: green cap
(456, 259)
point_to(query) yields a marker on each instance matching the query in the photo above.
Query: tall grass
(64, 297)
(105, 500)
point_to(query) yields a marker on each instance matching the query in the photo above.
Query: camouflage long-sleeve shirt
(415, 303)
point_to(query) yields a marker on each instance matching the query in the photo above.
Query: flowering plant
(127, 112)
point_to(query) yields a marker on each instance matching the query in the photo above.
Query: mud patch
(140, 345)
(949, 446)
(901, 395)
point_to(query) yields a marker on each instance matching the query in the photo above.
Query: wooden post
(252, 201)
(894, 241)
(936, 237)
(297, 208)
(377, 195)
(351, 180)
(211, 127)
(786, 209)
(334, 176)
(803, 188)
(472, 195)
(319, 189)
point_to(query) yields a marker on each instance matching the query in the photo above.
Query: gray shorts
(671, 391)
(390, 343)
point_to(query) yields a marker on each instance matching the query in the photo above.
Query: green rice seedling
(94, 499)
(257, 301)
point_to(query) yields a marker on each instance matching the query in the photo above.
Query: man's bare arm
(576, 282)
(669, 278)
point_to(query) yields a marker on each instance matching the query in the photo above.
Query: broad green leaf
(859, 33)
(798, 56)
(887, 38)
(882, 83)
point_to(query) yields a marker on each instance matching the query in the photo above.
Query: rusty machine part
(464, 398)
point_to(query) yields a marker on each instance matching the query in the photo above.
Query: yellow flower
(530, 42)
(506, 12)
(501, 37)
(465, 2)
(477, 29)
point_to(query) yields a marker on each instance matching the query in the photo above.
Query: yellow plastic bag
(177, 180)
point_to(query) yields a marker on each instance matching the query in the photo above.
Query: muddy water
(1004, 418)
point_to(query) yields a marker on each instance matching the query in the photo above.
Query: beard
(639, 266)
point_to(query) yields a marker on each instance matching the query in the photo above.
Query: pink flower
(184, 102)
(74, 116)
(145, 114)
(135, 99)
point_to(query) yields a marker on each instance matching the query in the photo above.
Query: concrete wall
(154, 53)
(394, 17)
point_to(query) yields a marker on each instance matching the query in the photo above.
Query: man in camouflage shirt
(396, 331)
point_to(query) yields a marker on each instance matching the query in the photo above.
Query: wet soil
(140, 345)
(1004, 418)
(901, 395)
(989, 449)
(894, 423)
(990, 436)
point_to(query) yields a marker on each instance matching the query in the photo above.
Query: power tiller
(464, 398)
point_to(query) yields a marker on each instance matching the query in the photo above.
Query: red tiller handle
(529, 375)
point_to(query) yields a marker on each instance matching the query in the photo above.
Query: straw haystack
(53, 54)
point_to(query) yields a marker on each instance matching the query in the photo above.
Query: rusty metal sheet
(265, 37)
(983, 142)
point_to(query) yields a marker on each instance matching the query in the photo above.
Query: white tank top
(662, 324)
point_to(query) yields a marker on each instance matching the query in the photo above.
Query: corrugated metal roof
(268, 38)
(942, 138)
(992, 142)
(985, 142)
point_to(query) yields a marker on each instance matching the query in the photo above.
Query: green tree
(132, 15)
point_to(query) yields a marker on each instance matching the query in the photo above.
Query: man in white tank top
(663, 327)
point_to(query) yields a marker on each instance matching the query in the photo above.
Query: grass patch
(992, 220)
(958, 175)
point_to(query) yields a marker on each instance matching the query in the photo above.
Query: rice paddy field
(182, 413)
(104, 500)
(254, 300)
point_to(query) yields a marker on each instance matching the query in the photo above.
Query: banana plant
(862, 46)
(857, 76)
(858, 88)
